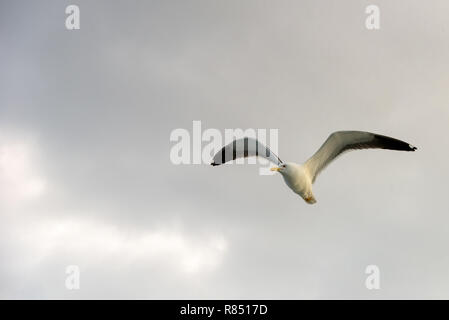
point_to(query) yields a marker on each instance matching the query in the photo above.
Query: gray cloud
(90, 114)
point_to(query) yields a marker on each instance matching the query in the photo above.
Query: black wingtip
(213, 164)
(393, 144)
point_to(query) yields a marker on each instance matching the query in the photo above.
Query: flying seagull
(300, 177)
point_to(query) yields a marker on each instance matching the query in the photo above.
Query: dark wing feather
(243, 148)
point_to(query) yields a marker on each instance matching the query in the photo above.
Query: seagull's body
(300, 177)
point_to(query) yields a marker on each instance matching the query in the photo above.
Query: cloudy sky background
(86, 177)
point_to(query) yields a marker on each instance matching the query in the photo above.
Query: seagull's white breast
(297, 179)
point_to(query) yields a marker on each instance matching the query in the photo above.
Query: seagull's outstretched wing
(341, 141)
(243, 148)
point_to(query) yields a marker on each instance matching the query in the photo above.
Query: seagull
(300, 177)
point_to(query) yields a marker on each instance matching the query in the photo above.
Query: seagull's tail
(310, 200)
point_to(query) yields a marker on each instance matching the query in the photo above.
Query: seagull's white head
(284, 168)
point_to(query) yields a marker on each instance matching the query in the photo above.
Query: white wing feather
(341, 141)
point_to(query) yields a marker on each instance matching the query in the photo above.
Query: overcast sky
(85, 171)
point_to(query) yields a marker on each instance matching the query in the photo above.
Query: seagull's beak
(275, 169)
